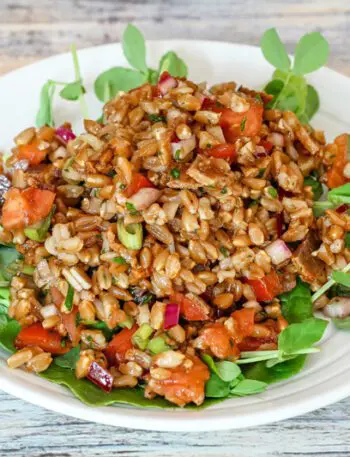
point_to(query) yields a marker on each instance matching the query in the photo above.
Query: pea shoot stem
(82, 100)
(327, 286)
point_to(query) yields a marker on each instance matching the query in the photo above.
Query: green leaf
(343, 324)
(72, 91)
(297, 304)
(44, 115)
(274, 87)
(311, 53)
(316, 186)
(9, 329)
(274, 50)
(116, 79)
(277, 373)
(216, 387)
(341, 278)
(134, 48)
(9, 264)
(173, 64)
(153, 76)
(225, 370)
(68, 303)
(68, 360)
(301, 336)
(312, 102)
(248, 387)
(340, 194)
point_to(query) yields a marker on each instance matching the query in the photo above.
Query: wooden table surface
(33, 29)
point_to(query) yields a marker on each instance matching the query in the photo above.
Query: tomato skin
(32, 153)
(36, 335)
(189, 309)
(138, 182)
(244, 318)
(267, 287)
(120, 343)
(335, 177)
(23, 208)
(70, 323)
(222, 151)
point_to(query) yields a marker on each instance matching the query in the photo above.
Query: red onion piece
(100, 377)
(276, 138)
(172, 314)
(260, 151)
(278, 251)
(166, 82)
(144, 198)
(65, 134)
(342, 208)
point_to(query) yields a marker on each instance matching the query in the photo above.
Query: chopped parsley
(119, 260)
(223, 191)
(175, 173)
(347, 240)
(131, 208)
(111, 173)
(224, 251)
(272, 192)
(177, 154)
(261, 172)
(244, 120)
(122, 186)
(156, 118)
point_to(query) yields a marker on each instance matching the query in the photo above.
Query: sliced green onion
(37, 232)
(141, 336)
(68, 303)
(157, 345)
(28, 270)
(130, 236)
(119, 260)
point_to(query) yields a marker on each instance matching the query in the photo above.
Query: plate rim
(190, 421)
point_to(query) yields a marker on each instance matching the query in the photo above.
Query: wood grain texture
(34, 29)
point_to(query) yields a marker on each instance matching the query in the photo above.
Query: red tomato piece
(244, 319)
(36, 335)
(335, 177)
(242, 124)
(267, 145)
(26, 207)
(138, 182)
(70, 323)
(267, 287)
(120, 343)
(222, 151)
(190, 310)
(32, 153)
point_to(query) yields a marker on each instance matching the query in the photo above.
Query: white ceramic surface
(325, 379)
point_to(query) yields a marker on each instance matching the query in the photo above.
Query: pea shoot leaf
(134, 48)
(68, 360)
(315, 185)
(343, 324)
(274, 50)
(311, 53)
(72, 91)
(116, 79)
(299, 336)
(341, 278)
(248, 387)
(173, 64)
(297, 304)
(312, 104)
(45, 115)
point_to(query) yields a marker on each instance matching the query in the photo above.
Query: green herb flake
(347, 240)
(243, 122)
(131, 208)
(261, 172)
(119, 260)
(224, 251)
(68, 303)
(223, 191)
(122, 186)
(156, 118)
(177, 154)
(272, 192)
(175, 173)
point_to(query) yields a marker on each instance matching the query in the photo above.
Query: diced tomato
(267, 287)
(244, 318)
(70, 323)
(253, 344)
(184, 385)
(217, 338)
(36, 335)
(267, 145)
(120, 343)
(32, 153)
(138, 182)
(247, 123)
(190, 310)
(222, 151)
(335, 177)
(26, 207)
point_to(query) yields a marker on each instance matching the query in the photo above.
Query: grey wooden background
(33, 29)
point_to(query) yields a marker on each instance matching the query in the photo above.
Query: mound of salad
(175, 251)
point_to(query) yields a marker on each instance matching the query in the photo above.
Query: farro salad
(174, 253)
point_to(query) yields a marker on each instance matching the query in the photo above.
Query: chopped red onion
(166, 82)
(342, 208)
(65, 134)
(260, 151)
(278, 251)
(144, 198)
(100, 377)
(276, 138)
(172, 314)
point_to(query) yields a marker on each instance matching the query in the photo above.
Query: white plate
(325, 379)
